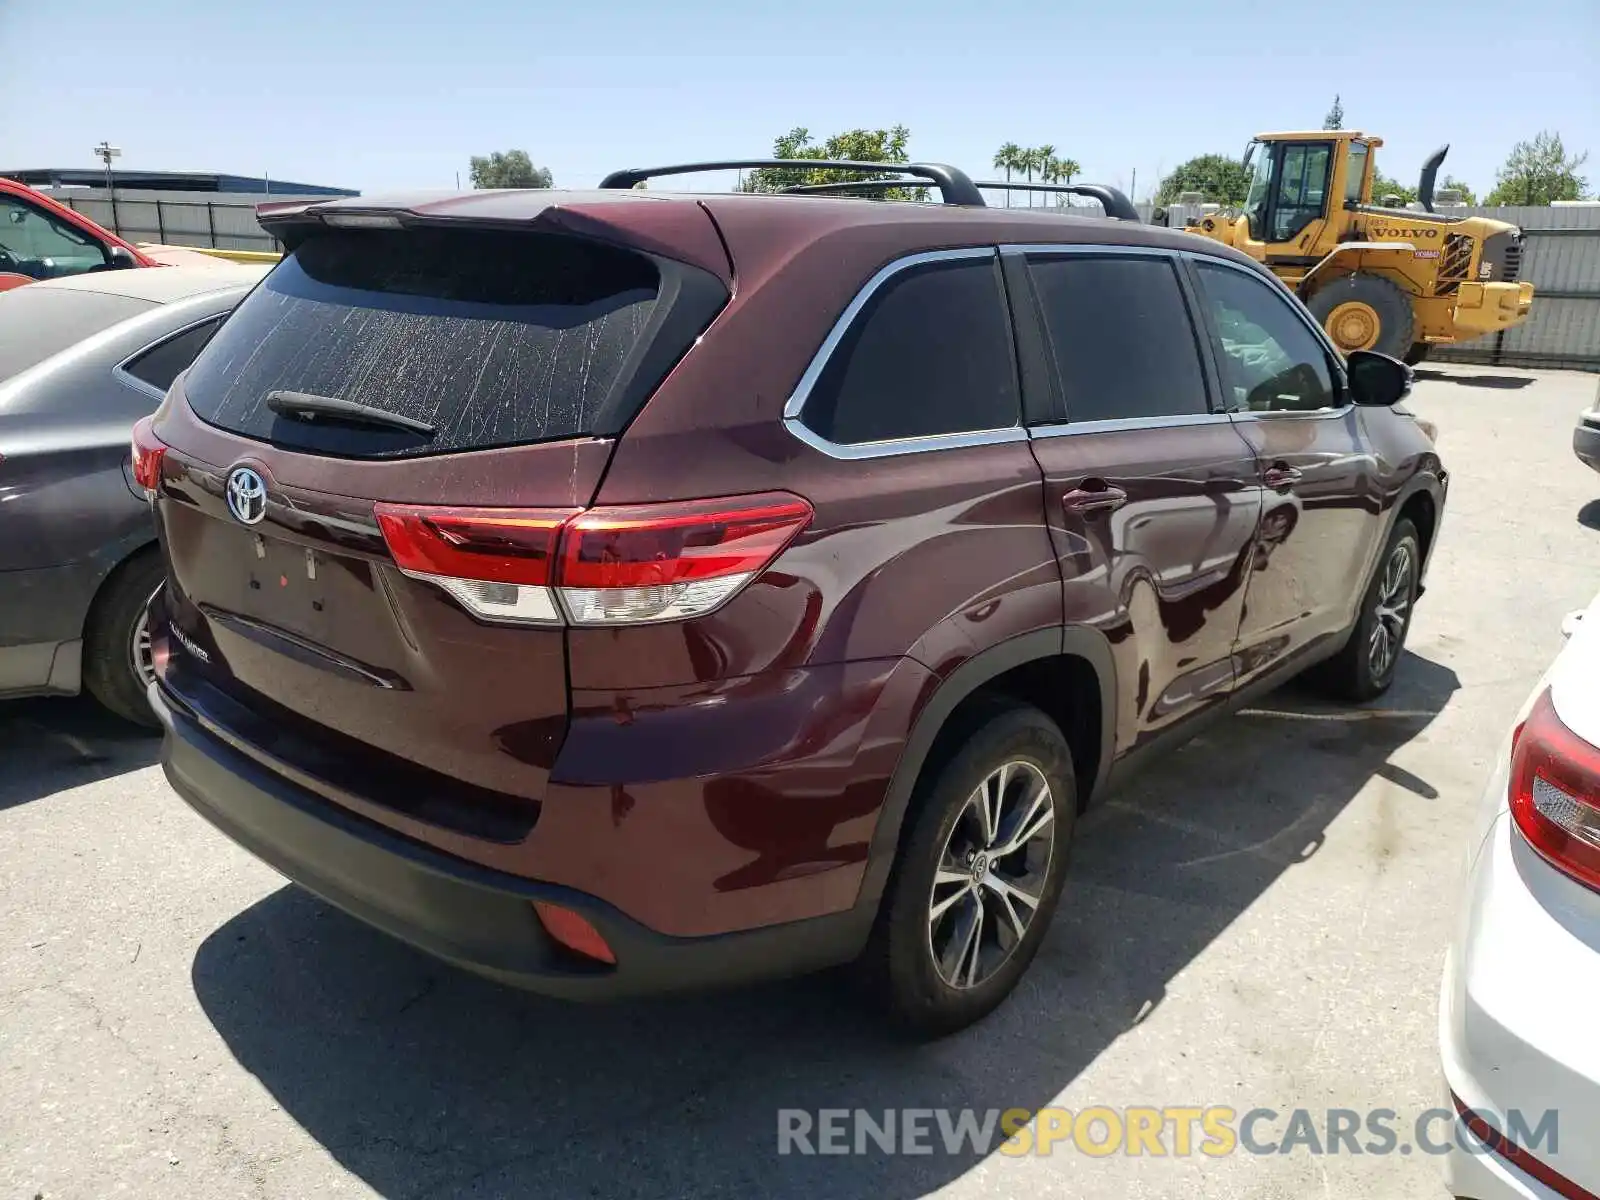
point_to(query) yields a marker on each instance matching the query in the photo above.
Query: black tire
(1352, 674)
(1418, 353)
(109, 673)
(1392, 306)
(899, 967)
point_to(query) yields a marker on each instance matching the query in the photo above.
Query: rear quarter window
(929, 354)
(492, 338)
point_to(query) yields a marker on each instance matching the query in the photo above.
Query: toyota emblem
(247, 495)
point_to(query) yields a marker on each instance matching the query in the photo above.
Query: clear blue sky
(390, 95)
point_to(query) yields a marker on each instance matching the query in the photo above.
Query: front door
(1151, 497)
(1285, 392)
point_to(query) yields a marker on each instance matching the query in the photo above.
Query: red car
(617, 591)
(43, 239)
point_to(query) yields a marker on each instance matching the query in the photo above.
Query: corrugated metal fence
(1561, 258)
(217, 219)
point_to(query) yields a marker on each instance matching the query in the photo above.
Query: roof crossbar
(955, 186)
(1113, 200)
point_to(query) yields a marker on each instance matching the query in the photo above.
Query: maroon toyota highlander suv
(618, 591)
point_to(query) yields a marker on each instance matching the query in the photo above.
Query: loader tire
(1418, 353)
(1365, 312)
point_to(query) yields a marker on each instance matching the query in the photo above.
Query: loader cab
(1299, 183)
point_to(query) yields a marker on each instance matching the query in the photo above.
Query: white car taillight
(1555, 792)
(603, 566)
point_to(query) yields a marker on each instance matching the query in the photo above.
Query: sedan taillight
(148, 451)
(1555, 792)
(615, 565)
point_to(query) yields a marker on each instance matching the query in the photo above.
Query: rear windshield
(490, 338)
(38, 321)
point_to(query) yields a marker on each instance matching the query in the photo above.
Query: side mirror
(1376, 379)
(118, 257)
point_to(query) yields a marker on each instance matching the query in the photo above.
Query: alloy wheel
(141, 654)
(991, 874)
(1393, 610)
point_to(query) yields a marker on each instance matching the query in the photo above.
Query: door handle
(1096, 495)
(1280, 477)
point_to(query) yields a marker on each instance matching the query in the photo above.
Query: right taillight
(147, 452)
(614, 565)
(1555, 792)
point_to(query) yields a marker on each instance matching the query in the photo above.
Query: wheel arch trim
(959, 685)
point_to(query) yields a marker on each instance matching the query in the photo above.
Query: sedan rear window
(487, 338)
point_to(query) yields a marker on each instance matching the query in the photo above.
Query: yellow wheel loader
(1380, 278)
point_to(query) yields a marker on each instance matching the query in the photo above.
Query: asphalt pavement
(1256, 923)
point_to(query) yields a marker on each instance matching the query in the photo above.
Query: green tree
(1539, 172)
(1383, 186)
(1008, 159)
(1221, 179)
(1335, 115)
(854, 145)
(1468, 196)
(509, 169)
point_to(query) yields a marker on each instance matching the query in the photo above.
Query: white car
(1517, 1012)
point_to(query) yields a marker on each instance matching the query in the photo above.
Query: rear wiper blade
(305, 406)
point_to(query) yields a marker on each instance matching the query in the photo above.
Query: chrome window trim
(127, 378)
(1118, 424)
(794, 408)
(1320, 335)
(1100, 249)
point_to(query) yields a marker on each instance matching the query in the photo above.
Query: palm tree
(1064, 170)
(1007, 159)
(1027, 161)
(1043, 158)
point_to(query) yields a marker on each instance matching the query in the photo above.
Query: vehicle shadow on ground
(1589, 515)
(47, 746)
(424, 1081)
(1503, 382)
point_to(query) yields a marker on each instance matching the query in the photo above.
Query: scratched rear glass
(494, 339)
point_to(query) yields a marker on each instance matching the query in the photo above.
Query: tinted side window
(39, 243)
(1269, 360)
(929, 354)
(160, 364)
(1124, 344)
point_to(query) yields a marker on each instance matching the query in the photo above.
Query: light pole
(105, 152)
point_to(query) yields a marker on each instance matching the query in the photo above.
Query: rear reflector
(1517, 1156)
(1555, 792)
(573, 932)
(606, 566)
(147, 453)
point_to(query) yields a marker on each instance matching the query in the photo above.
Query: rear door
(1151, 496)
(1284, 391)
(449, 390)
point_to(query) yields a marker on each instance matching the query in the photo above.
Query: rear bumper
(1516, 1000)
(1586, 440)
(1487, 307)
(469, 915)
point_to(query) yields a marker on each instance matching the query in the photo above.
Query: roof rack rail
(1113, 200)
(845, 187)
(955, 186)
